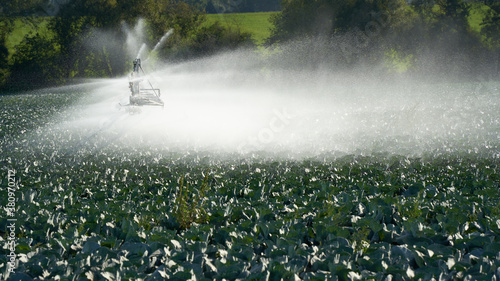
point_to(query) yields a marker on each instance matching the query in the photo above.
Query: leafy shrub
(207, 40)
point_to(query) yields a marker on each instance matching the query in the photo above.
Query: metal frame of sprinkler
(142, 96)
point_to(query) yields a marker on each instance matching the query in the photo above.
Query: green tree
(452, 15)
(16, 8)
(491, 24)
(339, 34)
(299, 17)
(183, 18)
(447, 45)
(35, 64)
(215, 38)
(4, 53)
(328, 17)
(5, 27)
(491, 30)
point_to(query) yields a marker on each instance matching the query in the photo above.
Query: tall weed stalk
(189, 204)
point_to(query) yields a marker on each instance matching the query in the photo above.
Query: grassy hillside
(255, 23)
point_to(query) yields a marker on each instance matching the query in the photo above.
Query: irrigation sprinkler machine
(139, 96)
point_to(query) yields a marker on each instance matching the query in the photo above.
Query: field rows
(93, 212)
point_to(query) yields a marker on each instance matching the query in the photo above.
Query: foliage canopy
(427, 36)
(88, 38)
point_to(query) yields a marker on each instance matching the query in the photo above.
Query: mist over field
(309, 95)
(233, 103)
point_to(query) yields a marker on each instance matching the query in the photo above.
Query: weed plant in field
(189, 203)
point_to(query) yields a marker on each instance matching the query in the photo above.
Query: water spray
(141, 50)
(160, 43)
(163, 40)
(135, 38)
(142, 96)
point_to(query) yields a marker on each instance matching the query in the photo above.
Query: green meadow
(257, 24)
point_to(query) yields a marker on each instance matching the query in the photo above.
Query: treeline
(99, 38)
(428, 38)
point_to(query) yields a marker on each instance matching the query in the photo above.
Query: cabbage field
(107, 194)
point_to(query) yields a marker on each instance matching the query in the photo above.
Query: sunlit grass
(257, 24)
